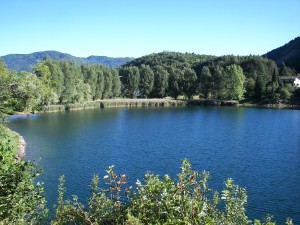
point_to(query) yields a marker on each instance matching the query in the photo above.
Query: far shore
(156, 102)
(159, 102)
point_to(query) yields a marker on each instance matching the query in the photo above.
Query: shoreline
(20, 150)
(155, 102)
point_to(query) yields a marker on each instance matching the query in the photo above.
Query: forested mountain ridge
(24, 62)
(225, 77)
(170, 59)
(288, 54)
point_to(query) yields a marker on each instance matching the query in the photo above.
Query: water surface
(258, 148)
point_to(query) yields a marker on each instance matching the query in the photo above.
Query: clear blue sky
(135, 28)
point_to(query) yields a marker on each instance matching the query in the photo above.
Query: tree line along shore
(246, 79)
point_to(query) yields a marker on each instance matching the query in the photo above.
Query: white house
(297, 82)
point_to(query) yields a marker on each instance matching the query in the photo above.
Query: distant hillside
(288, 53)
(25, 61)
(170, 59)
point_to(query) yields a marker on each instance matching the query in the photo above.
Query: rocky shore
(20, 152)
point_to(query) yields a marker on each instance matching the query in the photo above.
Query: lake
(258, 148)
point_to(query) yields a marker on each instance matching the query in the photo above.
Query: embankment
(20, 151)
(115, 103)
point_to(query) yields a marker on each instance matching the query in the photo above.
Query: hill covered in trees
(288, 54)
(24, 62)
(254, 78)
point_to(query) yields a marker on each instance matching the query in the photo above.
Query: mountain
(288, 53)
(21, 62)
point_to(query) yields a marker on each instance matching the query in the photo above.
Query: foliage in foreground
(21, 200)
(185, 200)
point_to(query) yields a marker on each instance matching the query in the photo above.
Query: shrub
(185, 200)
(21, 200)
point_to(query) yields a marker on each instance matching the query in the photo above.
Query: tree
(217, 73)
(99, 83)
(233, 82)
(146, 80)
(130, 78)
(57, 77)
(175, 80)
(205, 81)
(29, 92)
(261, 81)
(116, 83)
(7, 80)
(160, 85)
(69, 91)
(249, 88)
(90, 77)
(286, 71)
(74, 86)
(107, 90)
(52, 78)
(47, 83)
(189, 82)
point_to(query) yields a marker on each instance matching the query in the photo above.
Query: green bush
(185, 200)
(21, 200)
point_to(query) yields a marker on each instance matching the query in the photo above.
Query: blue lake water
(258, 148)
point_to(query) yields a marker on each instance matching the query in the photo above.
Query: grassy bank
(115, 103)
(118, 103)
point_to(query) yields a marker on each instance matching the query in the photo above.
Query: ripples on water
(258, 148)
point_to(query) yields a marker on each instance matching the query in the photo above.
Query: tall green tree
(99, 83)
(90, 77)
(108, 83)
(116, 83)
(261, 81)
(69, 92)
(286, 71)
(57, 77)
(83, 90)
(29, 92)
(146, 80)
(189, 82)
(49, 72)
(175, 80)
(47, 83)
(7, 80)
(217, 74)
(73, 83)
(272, 89)
(233, 82)
(206, 81)
(130, 81)
(160, 87)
